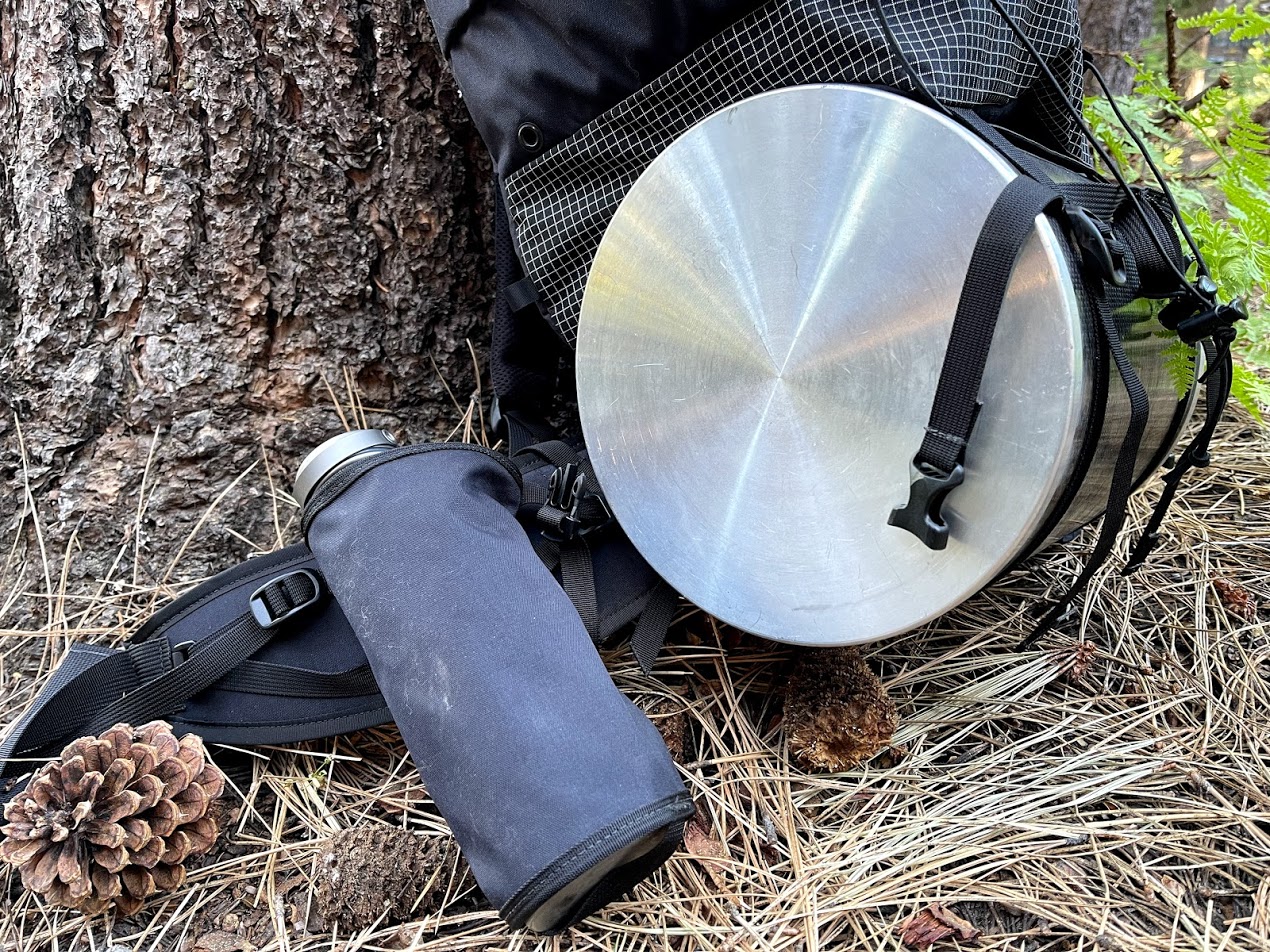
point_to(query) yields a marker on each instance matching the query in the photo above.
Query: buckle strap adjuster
(1100, 250)
(284, 597)
(923, 514)
(571, 510)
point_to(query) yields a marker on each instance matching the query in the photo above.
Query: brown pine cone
(837, 712)
(375, 874)
(114, 819)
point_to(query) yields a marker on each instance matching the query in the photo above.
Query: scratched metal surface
(758, 349)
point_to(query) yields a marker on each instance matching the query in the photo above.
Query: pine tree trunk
(211, 209)
(1111, 29)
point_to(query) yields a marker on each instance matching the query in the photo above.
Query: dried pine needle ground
(1106, 790)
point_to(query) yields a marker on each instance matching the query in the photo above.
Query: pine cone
(837, 713)
(371, 872)
(114, 819)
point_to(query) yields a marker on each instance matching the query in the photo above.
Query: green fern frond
(1179, 361)
(1242, 24)
(1252, 392)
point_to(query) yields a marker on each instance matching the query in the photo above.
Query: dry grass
(1111, 796)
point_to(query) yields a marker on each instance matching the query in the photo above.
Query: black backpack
(1009, 71)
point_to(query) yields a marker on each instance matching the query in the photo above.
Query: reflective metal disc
(758, 348)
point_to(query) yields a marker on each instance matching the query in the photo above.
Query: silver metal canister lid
(758, 350)
(334, 453)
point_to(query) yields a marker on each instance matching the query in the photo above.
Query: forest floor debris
(1107, 789)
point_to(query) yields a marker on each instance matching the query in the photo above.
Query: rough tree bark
(1111, 29)
(208, 206)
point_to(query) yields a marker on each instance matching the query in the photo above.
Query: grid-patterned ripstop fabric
(562, 202)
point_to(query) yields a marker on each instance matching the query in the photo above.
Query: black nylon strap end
(1142, 550)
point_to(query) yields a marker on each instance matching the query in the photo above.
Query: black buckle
(263, 614)
(923, 515)
(1100, 250)
(566, 493)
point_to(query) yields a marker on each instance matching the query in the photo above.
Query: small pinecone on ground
(374, 871)
(114, 819)
(837, 713)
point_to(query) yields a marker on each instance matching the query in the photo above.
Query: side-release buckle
(1100, 249)
(923, 514)
(576, 511)
(283, 597)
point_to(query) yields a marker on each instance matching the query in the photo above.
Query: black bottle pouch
(559, 790)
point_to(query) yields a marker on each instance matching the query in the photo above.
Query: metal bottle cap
(334, 453)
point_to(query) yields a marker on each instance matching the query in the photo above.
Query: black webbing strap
(110, 691)
(571, 504)
(654, 621)
(1217, 384)
(1023, 160)
(577, 577)
(573, 555)
(86, 670)
(214, 657)
(566, 511)
(520, 431)
(937, 467)
(555, 452)
(1144, 235)
(278, 680)
(1122, 476)
(85, 676)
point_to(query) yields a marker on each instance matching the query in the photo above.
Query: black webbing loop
(279, 680)
(1122, 476)
(952, 415)
(937, 465)
(521, 294)
(654, 621)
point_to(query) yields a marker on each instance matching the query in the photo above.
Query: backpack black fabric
(533, 72)
(560, 203)
(601, 89)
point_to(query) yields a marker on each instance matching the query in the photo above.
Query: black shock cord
(1155, 171)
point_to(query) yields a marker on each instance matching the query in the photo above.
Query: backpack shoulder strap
(96, 687)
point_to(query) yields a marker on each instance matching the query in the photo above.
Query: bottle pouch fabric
(560, 792)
